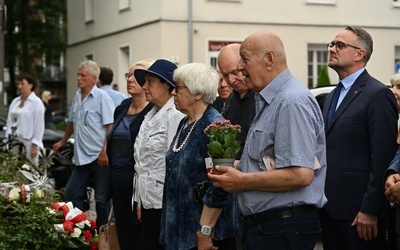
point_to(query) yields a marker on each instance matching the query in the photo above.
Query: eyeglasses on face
(340, 45)
(178, 88)
(127, 75)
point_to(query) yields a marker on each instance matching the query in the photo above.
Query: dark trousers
(150, 229)
(81, 177)
(126, 219)
(298, 232)
(339, 234)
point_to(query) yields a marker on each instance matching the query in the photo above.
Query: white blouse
(28, 120)
(151, 145)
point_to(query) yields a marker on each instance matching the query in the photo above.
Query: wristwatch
(206, 230)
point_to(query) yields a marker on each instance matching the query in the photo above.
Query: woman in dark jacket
(128, 117)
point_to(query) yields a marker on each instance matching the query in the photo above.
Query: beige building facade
(120, 32)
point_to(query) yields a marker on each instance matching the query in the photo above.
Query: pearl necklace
(174, 148)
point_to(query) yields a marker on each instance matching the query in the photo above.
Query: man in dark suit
(361, 131)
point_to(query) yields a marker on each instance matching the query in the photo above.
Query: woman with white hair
(189, 221)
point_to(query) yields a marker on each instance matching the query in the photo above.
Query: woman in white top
(25, 119)
(151, 145)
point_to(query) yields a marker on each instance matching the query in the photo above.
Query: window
(317, 57)
(123, 66)
(321, 1)
(89, 11)
(213, 50)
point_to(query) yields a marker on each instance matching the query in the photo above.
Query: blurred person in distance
(104, 83)
(48, 113)
(224, 90)
(25, 119)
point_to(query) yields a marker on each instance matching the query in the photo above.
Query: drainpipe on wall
(190, 31)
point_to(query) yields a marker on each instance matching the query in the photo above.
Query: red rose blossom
(88, 235)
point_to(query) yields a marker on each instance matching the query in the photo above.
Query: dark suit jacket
(134, 127)
(360, 142)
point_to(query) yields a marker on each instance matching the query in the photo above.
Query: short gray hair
(200, 79)
(395, 79)
(91, 66)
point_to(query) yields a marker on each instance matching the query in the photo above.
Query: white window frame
(124, 64)
(315, 49)
(212, 53)
(328, 2)
(396, 3)
(396, 57)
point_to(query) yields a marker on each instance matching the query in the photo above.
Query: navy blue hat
(162, 68)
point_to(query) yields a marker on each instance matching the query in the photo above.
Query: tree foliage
(323, 77)
(35, 32)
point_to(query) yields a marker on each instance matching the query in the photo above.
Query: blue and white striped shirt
(288, 124)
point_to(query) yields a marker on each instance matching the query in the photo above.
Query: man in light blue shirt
(91, 118)
(104, 83)
(281, 175)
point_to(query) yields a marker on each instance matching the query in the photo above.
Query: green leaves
(223, 146)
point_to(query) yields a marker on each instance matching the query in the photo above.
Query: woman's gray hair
(199, 79)
(91, 66)
(395, 79)
(146, 63)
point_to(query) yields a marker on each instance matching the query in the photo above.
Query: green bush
(27, 214)
(323, 77)
(28, 225)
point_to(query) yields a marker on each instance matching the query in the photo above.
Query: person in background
(392, 186)
(241, 103)
(150, 147)
(90, 119)
(25, 119)
(281, 175)
(127, 120)
(361, 129)
(48, 114)
(115, 87)
(183, 215)
(395, 82)
(224, 90)
(104, 83)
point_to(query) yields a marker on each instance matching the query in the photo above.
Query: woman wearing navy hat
(151, 145)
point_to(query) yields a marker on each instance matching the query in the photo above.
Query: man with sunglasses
(361, 128)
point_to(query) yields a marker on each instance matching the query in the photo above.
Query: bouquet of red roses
(77, 229)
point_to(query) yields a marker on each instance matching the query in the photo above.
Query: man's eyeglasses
(178, 88)
(340, 45)
(127, 75)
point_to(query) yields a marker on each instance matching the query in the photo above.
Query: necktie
(334, 102)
